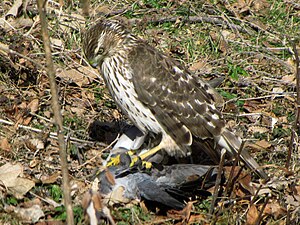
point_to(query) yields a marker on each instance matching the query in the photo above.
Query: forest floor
(250, 44)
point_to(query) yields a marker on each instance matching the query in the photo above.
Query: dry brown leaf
(289, 79)
(252, 215)
(263, 143)
(245, 181)
(31, 214)
(33, 105)
(22, 23)
(257, 129)
(57, 43)
(4, 145)
(144, 207)
(17, 186)
(275, 210)
(75, 76)
(198, 219)
(260, 6)
(277, 90)
(290, 200)
(50, 179)
(3, 46)
(96, 198)
(197, 65)
(14, 9)
(79, 111)
(183, 214)
(9, 172)
(220, 41)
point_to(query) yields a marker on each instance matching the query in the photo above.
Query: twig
(260, 215)
(297, 120)
(237, 159)
(23, 56)
(100, 152)
(218, 182)
(192, 19)
(52, 134)
(57, 113)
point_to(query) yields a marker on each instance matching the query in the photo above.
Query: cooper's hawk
(160, 95)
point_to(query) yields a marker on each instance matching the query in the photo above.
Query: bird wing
(181, 103)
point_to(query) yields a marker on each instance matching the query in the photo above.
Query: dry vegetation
(248, 43)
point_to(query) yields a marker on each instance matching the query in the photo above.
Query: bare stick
(297, 122)
(260, 215)
(218, 182)
(53, 135)
(192, 19)
(57, 113)
(230, 178)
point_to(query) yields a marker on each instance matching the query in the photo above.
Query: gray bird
(168, 187)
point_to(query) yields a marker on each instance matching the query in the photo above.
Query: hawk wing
(179, 101)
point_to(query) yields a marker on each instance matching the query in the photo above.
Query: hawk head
(104, 39)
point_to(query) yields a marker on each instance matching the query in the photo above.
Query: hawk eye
(100, 51)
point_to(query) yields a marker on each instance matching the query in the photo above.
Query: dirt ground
(249, 44)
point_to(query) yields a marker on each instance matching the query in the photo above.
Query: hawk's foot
(116, 160)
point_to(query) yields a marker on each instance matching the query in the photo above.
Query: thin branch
(218, 182)
(53, 135)
(21, 55)
(192, 19)
(297, 120)
(57, 113)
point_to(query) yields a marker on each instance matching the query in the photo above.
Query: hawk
(160, 95)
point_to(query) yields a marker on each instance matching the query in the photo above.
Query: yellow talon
(133, 161)
(147, 165)
(114, 161)
(130, 153)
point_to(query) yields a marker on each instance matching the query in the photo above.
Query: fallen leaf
(50, 179)
(9, 173)
(14, 9)
(263, 143)
(3, 46)
(75, 76)
(275, 210)
(277, 90)
(257, 129)
(252, 215)
(21, 187)
(4, 145)
(197, 65)
(183, 214)
(78, 111)
(57, 43)
(34, 144)
(289, 79)
(290, 200)
(32, 214)
(16, 185)
(33, 105)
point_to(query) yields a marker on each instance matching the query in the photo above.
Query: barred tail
(232, 143)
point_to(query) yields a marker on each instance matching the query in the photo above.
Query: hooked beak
(93, 63)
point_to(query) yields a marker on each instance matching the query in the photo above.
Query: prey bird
(160, 95)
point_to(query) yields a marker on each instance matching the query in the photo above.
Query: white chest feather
(124, 94)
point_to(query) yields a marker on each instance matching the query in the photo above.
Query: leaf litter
(259, 89)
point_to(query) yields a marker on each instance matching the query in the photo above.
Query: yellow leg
(144, 155)
(150, 152)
